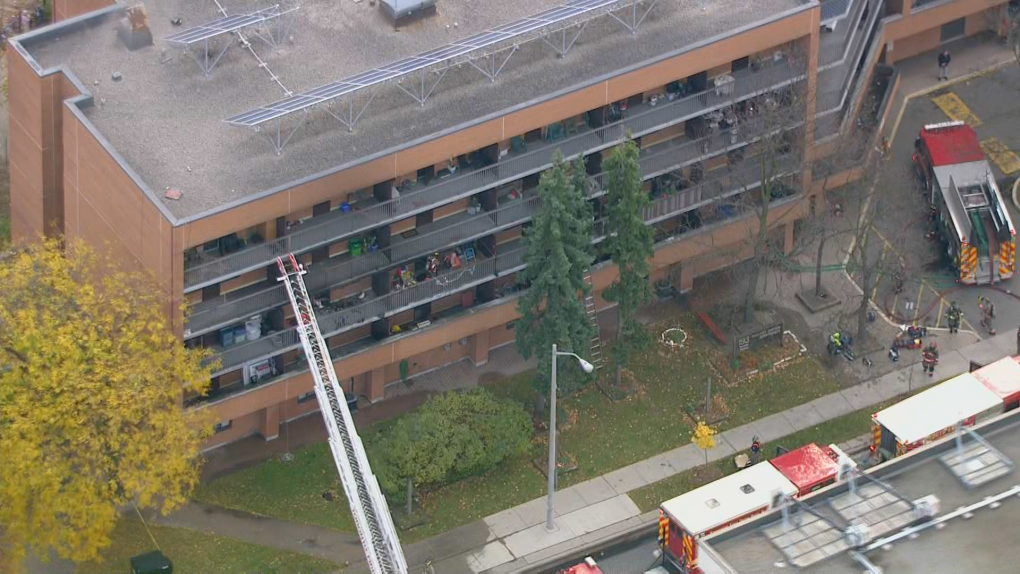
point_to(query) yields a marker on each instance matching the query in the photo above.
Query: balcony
(512, 264)
(336, 225)
(337, 320)
(834, 82)
(836, 46)
(459, 229)
(508, 260)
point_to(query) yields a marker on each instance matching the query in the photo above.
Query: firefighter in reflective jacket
(930, 358)
(663, 529)
(954, 316)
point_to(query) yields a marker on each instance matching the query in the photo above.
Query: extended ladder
(368, 506)
(593, 317)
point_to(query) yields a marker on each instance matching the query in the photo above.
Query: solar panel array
(223, 25)
(495, 36)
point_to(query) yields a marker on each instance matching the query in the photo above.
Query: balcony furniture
(469, 254)
(345, 207)
(355, 246)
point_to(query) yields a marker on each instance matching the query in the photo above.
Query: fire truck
(926, 417)
(972, 219)
(741, 496)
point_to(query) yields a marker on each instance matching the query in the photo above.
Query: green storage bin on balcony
(355, 246)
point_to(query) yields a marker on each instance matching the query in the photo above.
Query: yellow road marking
(953, 106)
(942, 305)
(1001, 155)
(920, 293)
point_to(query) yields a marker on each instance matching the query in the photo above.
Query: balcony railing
(655, 160)
(332, 322)
(640, 120)
(730, 183)
(834, 83)
(836, 46)
(513, 262)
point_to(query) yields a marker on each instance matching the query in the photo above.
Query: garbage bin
(355, 246)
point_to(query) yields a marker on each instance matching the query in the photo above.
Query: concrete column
(270, 427)
(375, 384)
(480, 348)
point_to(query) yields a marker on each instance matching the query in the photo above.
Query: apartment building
(368, 147)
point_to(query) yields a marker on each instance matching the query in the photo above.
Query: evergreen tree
(629, 245)
(558, 251)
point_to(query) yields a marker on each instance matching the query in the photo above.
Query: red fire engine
(926, 417)
(733, 499)
(972, 219)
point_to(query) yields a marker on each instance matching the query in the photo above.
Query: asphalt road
(901, 221)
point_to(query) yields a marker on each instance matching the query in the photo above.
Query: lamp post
(587, 368)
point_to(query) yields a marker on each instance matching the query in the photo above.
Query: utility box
(154, 562)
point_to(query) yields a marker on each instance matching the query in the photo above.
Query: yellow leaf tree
(91, 401)
(704, 438)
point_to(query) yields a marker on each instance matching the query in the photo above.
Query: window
(712, 503)
(510, 326)
(747, 489)
(306, 397)
(953, 30)
(222, 426)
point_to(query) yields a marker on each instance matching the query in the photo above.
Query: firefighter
(987, 313)
(835, 343)
(930, 358)
(954, 315)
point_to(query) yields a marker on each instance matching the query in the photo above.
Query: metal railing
(452, 281)
(836, 50)
(333, 322)
(640, 120)
(656, 160)
(730, 182)
(830, 100)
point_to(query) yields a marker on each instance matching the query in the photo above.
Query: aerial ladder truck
(368, 506)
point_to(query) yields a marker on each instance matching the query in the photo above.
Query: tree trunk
(619, 338)
(862, 310)
(752, 286)
(410, 496)
(818, 267)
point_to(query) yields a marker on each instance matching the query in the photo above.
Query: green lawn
(198, 552)
(834, 431)
(601, 435)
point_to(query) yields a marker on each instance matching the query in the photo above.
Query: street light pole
(551, 474)
(587, 368)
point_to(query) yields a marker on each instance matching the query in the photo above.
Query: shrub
(451, 436)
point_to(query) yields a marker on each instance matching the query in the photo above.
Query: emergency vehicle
(930, 415)
(960, 186)
(741, 496)
(589, 566)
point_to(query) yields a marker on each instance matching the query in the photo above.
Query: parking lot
(988, 103)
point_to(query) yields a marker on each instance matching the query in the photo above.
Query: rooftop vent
(133, 30)
(401, 11)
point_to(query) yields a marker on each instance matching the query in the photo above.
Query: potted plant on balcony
(474, 206)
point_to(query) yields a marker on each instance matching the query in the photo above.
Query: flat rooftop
(988, 543)
(165, 117)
